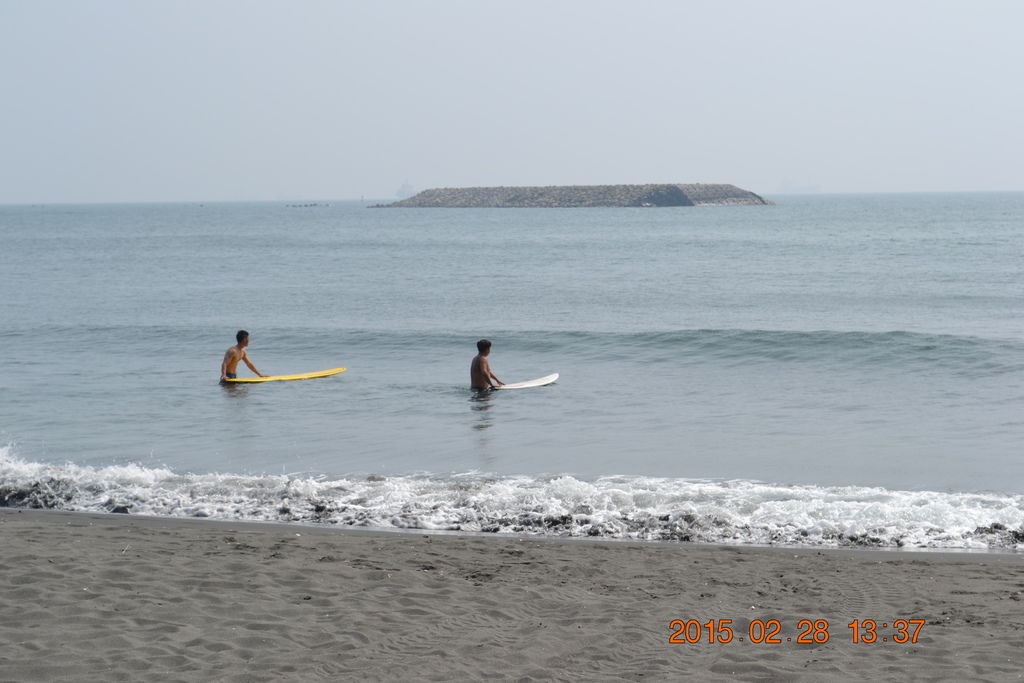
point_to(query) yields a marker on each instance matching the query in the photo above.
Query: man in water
(480, 374)
(237, 353)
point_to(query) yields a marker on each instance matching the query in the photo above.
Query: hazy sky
(145, 100)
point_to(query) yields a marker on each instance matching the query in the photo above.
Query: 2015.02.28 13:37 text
(808, 631)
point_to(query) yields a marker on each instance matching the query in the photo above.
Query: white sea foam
(644, 508)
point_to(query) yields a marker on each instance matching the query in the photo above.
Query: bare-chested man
(480, 374)
(237, 353)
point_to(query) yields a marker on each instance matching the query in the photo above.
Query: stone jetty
(572, 196)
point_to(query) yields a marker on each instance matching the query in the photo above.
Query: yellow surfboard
(305, 375)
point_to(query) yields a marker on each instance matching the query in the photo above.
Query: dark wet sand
(90, 597)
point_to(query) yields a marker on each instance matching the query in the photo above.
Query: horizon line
(364, 199)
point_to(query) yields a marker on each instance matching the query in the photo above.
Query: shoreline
(121, 597)
(674, 510)
(329, 527)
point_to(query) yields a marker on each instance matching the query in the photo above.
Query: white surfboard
(539, 382)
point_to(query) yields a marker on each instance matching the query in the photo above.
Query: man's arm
(224, 365)
(489, 373)
(245, 357)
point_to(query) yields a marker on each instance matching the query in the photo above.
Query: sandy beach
(114, 597)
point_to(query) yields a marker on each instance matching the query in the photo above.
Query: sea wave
(618, 507)
(908, 351)
(894, 348)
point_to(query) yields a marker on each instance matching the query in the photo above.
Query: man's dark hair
(240, 335)
(483, 345)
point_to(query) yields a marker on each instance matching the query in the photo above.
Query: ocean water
(833, 370)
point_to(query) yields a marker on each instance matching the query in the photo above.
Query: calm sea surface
(833, 369)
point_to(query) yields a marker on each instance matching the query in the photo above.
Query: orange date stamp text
(808, 631)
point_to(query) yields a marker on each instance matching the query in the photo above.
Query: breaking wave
(616, 507)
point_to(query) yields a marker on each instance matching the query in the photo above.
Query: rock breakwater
(574, 196)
